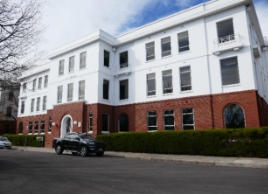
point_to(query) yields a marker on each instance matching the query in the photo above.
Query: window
(49, 124)
(59, 94)
(22, 107)
(20, 128)
(106, 89)
(70, 92)
(185, 75)
(229, 71)
(169, 120)
(44, 102)
(105, 122)
(151, 91)
(9, 111)
(152, 121)
(42, 127)
(36, 126)
(225, 31)
(123, 59)
(150, 55)
(166, 46)
(10, 96)
(167, 82)
(106, 59)
(30, 129)
(38, 104)
(183, 41)
(61, 67)
(34, 84)
(234, 116)
(81, 90)
(46, 81)
(24, 87)
(187, 118)
(83, 60)
(90, 122)
(123, 123)
(71, 64)
(32, 105)
(123, 89)
(39, 83)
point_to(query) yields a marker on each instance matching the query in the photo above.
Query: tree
(19, 33)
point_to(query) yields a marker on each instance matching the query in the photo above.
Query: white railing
(228, 38)
(123, 65)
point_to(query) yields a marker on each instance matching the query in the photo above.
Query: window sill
(42, 133)
(29, 133)
(122, 100)
(82, 68)
(185, 92)
(152, 96)
(150, 61)
(60, 75)
(106, 100)
(20, 134)
(107, 67)
(179, 53)
(90, 132)
(169, 94)
(49, 133)
(152, 131)
(105, 132)
(231, 85)
(166, 57)
(70, 72)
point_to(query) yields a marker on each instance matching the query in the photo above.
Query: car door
(67, 141)
(75, 142)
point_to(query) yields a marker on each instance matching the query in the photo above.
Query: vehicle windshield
(85, 136)
(3, 139)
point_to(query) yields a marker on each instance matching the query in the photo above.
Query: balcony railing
(123, 68)
(225, 39)
(123, 65)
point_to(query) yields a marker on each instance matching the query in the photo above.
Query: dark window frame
(184, 114)
(105, 89)
(149, 117)
(106, 62)
(121, 92)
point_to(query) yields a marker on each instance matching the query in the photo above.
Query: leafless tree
(20, 30)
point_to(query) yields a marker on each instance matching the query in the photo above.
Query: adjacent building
(201, 68)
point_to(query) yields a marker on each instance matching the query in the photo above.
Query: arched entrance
(123, 123)
(66, 125)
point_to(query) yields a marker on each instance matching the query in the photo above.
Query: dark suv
(79, 143)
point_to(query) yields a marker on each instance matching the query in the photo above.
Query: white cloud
(69, 20)
(262, 12)
(184, 3)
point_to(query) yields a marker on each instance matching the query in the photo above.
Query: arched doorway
(234, 116)
(66, 125)
(20, 128)
(123, 123)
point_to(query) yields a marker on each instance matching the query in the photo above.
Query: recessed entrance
(66, 125)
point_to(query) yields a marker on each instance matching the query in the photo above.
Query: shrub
(26, 140)
(231, 142)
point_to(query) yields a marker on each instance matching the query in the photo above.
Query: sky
(68, 20)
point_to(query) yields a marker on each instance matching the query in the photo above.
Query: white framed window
(123, 58)
(42, 127)
(105, 123)
(225, 31)
(39, 83)
(22, 108)
(46, 81)
(187, 118)
(152, 120)
(185, 77)
(183, 41)
(90, 122)
(123, 89)
(38, 104)
(81, 92)
(44, 102)
(83, 60)
(106, 58)
(71, 64)
(30, 127)
(70, 92)
(105, 89)
(34, 85)
(169, 122)
(229, 71)
(61, 67)
(36, 126)
(150, 53)
(167, 81)
(151, 85)
(32, 105)
(166, 46)
(24, 86)
(59, 96)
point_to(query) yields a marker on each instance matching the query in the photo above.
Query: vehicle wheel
(74, 153)
(59, 149)
(100, 153)
(83, 151)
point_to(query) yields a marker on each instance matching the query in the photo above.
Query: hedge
(26, 140)
(233, 142)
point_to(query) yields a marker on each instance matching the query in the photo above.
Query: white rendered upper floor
(212, 48)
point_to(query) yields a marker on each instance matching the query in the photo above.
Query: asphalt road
(47, 173)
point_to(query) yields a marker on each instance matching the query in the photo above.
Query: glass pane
(106, 58)
(151, 87)
(123, 123)
(150, 54)
(104, 122)
(168, 112)
(225, 28)
(169, 120)
(153, 113)
(123, 89)
(152, 128)
(188, 127)
(188, 119)
(169, 128)
(152, 121)
(124, 57)
(106, 89)
(234, 116)
(187, 110)
(229, 71)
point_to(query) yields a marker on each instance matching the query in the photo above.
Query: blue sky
(69, 20)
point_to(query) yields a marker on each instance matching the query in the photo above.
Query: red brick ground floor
(7, 126)
(199, 112)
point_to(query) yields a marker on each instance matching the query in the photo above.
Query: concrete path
(205, 160)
